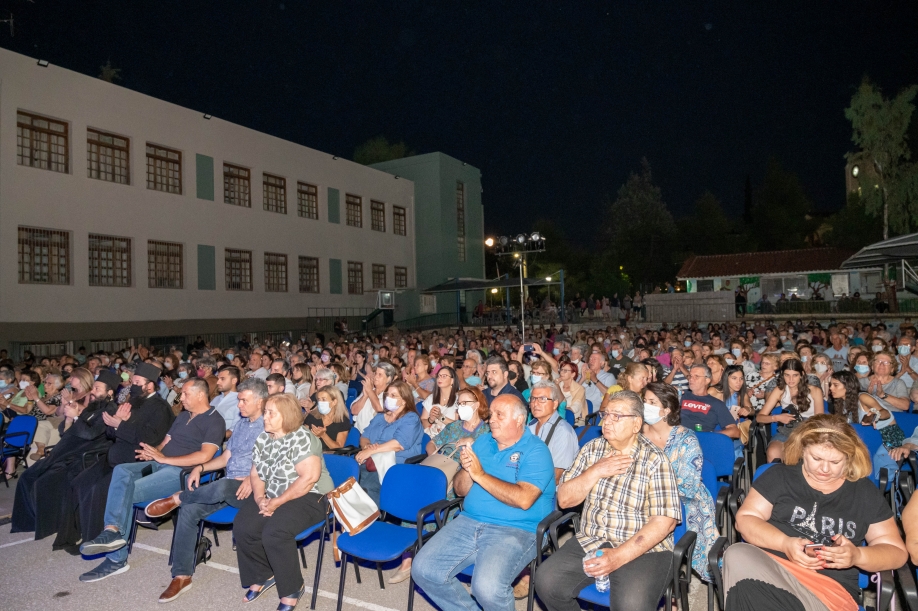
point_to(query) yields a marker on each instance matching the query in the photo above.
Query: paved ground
(35, 578)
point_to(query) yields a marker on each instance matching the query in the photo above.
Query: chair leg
(356, 569)
(174, 524)
(132, 534)
(343, 579)
(410, 594)
(302, 554)
(216, 539)
(315, 581)
(382, 584)
(530, 598)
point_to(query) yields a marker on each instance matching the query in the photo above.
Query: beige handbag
(353, 507)
(445, 463)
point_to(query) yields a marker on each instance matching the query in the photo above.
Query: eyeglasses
(467, 403)
(542, 400)
(444, 376)
(615, 417)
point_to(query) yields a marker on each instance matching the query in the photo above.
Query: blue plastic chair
(720, 494)
(589, 406)
(718, 449)
(592, 432)
(907, 421)
(17, 440)
(569, 416)
(409, 493)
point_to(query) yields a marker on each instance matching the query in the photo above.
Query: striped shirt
(618, 507)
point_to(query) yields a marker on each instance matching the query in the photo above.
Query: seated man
(508, 482)
(193, 439)
(199, 502)
(704, 413)
(631, 506)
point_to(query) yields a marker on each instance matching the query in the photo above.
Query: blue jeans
(499, 553)
(128, 487)
(196, 505)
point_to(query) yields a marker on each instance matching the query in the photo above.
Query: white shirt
(362, 420)
(592, 393)
(227, 404)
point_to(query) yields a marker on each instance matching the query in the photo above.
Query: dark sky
(555, 102)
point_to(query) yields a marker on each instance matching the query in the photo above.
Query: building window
(164, 169)
(275, 194)
(42, 142)
(401, 277)
(379, 276)
(108, 157)
(165, 265)
(400, 220)
(237, 186)
(354, 211)
(275, 273)
(109, 260)
(44, 256)
(238, 270)
(309, 275)
(460, 219)
(307, 200)
(378, 216)
(354, 278)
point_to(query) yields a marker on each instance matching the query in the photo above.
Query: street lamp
(489, 242)
(548, 279)
(519, 246)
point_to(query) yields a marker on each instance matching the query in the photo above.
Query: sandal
(253, 595)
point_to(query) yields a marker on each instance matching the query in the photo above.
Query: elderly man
(370, 402)
(469, 372)
(193, 439)
(596, 380)
(548, 425)
(227, 401)
(704, 413)
(199, 502)
(631, 506)
(619, 359)
(509, 486)
(255, 369)
(498, 380)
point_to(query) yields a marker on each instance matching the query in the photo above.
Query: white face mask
(905, 350)
(688, 343)
(23, 385)
(737, 352)
(465, 412)
(535, 379)
(783, 338)
(324, 407)
(652, 413)
(729, 361)
(820, 368)
(616, 353)
(391, 404)
(876, 348)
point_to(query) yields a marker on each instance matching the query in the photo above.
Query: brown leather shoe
(179, 586)
(160, 508)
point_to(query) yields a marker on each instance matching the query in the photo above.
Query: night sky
(555, 102)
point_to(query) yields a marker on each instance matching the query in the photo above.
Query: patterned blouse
(685, 456)
(454, 431)
(275, 461)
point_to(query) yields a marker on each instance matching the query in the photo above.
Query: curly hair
(847, 406)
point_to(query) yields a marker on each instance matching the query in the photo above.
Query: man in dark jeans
(199, 502)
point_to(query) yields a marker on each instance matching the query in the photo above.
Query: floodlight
(493, 291)
(548, 278)
(489, 242)
(504, 240)
(536, 236)
(521, 239)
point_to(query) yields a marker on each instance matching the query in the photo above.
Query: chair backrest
(589, 406)
(718, 449)
(680, 527)
(709, 478)
(353, 437)
(907, 421)
(21, 424)
(569, 416)
(425, 439)
(407, 489)
(341, 468)
(870, 436)
(592, 433)
(420, 407)
(762, 469)
(349, 402)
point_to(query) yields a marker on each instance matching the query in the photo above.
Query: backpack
(202, 551)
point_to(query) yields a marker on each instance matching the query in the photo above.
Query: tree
(781, 211)
(707, 231)
(109, 73)
(889, 182)
(640, 232)
(379, 149)
(853, 227)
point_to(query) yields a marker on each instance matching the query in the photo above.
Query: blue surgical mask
(905, 350)
(535, 379)
(325, 407)
(616, 353)
(473, 381)
(3, 384)
(862, 369)
(183, 374)
(229, 356)
(737, 352)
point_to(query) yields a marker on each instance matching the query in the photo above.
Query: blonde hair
(290, 411)
(339, 413)
(833, 430)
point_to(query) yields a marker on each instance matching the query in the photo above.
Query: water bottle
(698, 428)
(602, 583)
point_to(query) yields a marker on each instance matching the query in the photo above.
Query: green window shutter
(205, 176)
(334, 212)
(207, 268)
(334, 276)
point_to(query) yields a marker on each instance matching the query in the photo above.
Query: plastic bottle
(698, 427)
(602, 583)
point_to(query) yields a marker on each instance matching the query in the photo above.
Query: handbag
(446, 464)
(353, 507)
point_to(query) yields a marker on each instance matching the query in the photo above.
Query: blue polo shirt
(528, 460)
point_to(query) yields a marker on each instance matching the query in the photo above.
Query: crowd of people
(115, 429)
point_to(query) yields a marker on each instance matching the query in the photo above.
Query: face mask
(862, 369)
(556, 351)
(126, 354)
(200, 373)
(688, 344)
(728, 361)
(783, 338)
(737, 352)
(23, 385)
(375, 357)
(652, 413)
(876, 348)
(167, 365)
(905, 350)
(473, 381)
(391, 404)
(820, 368)
(324, 358)
(804, 358)
(125, 376)
(229, 356)
(466, 412)
(616, 354)
(325, 407)
(535, 379)
(136, 390)
(183, 374)
(3, 384)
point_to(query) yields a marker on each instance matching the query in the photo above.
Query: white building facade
(124, 216)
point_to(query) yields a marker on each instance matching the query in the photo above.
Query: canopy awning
(478, 284)
(892, 250)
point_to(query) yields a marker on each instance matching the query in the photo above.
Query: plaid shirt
(617, 507)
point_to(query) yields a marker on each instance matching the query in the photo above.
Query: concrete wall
(81, 205)
(688, 307)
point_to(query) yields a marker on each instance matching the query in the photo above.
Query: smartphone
(811, 549)
(527, 347)
(148, 470)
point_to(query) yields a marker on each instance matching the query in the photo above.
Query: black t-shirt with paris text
(798, 509)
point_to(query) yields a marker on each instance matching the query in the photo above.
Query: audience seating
(592, 432)
(16, 441)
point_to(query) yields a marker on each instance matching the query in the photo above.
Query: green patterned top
(275, 461)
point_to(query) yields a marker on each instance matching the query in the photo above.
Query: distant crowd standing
(115, 429)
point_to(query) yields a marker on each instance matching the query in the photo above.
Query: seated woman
(472, 423)
(661, 426)
(40, 496)
(860, 364)
(635, 378)
(797, 399)
(717, 365)
(419, 380)
(805, 522)
(301, 374)
(538, 370)
(573, 391)
(440, 405)
(735, 393)
(329, 421)
(289, 480)
(397, 430)
(45, 409)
